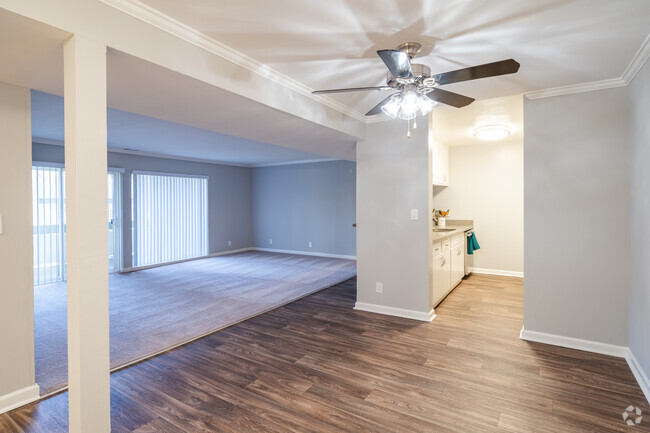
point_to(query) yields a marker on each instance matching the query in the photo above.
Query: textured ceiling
(333, 44)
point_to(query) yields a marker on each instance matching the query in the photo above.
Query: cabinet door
(438, 278)
(457, 263)
(446, 270)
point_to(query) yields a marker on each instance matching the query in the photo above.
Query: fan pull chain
(408, 128)
(415, 123)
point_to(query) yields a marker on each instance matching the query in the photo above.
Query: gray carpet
(154, 309)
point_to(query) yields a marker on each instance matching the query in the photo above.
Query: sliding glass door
(49, 230)
(114, 221)
(48, 208)
(170, 217)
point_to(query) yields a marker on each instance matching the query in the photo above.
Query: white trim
(168, 174)
(305, 253)
(19, 398)
(304, 161)
(166, 23)
(177, 158)
(638, 373)
(630, 72)
(136, 152)
(498, 272)
(638, 61)
(574, 343)
(48, 164)
(576, 88)
(398, 312)
(47, 141)
(157, 265)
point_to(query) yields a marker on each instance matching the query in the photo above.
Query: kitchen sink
(443, 230)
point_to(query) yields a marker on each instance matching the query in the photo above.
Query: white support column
(87, 235)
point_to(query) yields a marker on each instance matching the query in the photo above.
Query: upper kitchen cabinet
(439, 157)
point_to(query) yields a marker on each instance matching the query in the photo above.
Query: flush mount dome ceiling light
(492, 132)
(416, 90)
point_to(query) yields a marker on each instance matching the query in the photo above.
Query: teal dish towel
(472, 243)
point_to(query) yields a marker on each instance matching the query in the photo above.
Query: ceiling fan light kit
(418, 91)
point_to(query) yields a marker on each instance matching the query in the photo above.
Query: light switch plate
(379, 288)
(414, 214)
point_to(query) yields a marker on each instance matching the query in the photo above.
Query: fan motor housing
(421, 76)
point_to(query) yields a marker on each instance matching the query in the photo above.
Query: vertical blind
(170, 215)
(48, 208)
(49, 228)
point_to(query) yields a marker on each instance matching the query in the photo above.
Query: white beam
(87, 235)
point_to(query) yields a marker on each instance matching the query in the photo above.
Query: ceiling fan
(418, 90)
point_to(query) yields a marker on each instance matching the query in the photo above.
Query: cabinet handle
(458, 252)
(443, 262)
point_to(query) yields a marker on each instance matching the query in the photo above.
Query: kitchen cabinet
(448, 266)
(457, 260)
(441, 271)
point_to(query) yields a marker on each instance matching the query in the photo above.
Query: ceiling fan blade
(377, 108)
(475, 72)
(351, 89)
(449, 98)
(397, 62)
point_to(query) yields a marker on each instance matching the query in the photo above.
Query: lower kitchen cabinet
(448, 266)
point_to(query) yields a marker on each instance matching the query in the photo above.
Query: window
(170, 217)
(49, 228)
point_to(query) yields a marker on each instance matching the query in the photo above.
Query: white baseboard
(498, 272)
(399, 312)
(574, 343)
(19, 398)
(639, 374)
(305, 253)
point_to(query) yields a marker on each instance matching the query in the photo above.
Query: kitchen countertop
(459, 227)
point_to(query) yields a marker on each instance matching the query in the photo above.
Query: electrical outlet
(380, 288)
(229, 243)
(309, 244)
(270, 241)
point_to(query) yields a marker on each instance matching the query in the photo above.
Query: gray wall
(229, 195)
(301, 203)
(16, 290)
(393, 177)
(575, 215)
(639, 302)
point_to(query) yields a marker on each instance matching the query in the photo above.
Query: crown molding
(151, 16)
(630, 72)
(576, 88)
(638, 61)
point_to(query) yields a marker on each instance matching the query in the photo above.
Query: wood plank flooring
(317, 365)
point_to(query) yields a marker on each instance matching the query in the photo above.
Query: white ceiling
(135, 133)
(331, 44)
(209, 123)
(334, 43)
(455, 127)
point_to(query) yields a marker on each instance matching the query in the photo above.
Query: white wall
(393, 177)
(486, 184)
(639, 226)
(16, 292)
(576, 215)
